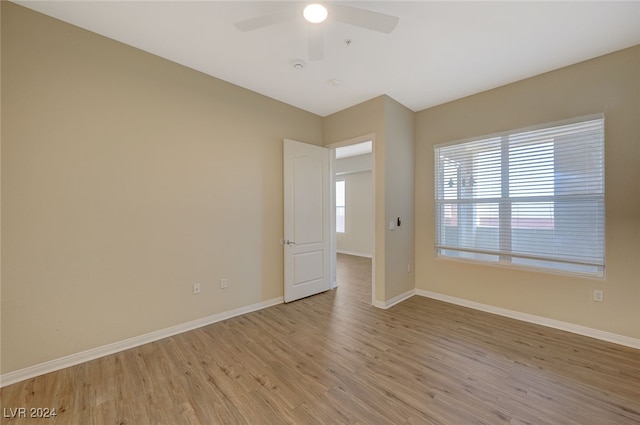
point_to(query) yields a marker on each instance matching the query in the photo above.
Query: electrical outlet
(196, 288)
(598, 295)
(408, 268)
(223, 284)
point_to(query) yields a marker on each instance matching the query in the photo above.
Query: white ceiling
(354, 150)
(440, 51)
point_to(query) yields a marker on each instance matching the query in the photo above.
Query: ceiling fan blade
(316, 44)
(266, 20)
(364, 18)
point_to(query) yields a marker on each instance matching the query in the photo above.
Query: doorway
(352, 174)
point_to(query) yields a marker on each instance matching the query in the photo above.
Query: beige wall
(0, 190)
(357, 121)
(399, 201)
(126, 178)
(354, 164)
(610, 84)
(393, 146)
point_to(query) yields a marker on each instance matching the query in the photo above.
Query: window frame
(343, 206)
(505, 255)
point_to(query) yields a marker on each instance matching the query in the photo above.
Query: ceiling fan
(316, 13)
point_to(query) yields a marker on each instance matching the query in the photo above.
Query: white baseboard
(395, 300)
(105, 350)
(356, 254)
(539, 320)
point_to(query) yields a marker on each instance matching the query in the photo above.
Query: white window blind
(340, 206)
(532, 198)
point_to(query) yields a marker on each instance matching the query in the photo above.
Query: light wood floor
(334, 359)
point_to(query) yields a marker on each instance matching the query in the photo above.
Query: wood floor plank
(334, 359)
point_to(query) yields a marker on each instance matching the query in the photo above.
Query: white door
(306, 220)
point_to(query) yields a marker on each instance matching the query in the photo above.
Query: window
(532, 198)
(340, 221)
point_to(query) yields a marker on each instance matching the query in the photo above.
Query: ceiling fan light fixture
(315, 13)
